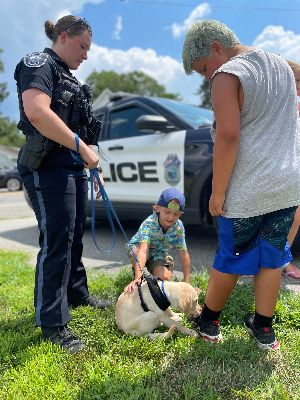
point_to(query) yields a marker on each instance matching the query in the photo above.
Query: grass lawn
(119, 367)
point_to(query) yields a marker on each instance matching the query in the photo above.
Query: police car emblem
(172, 170)
(35, 59)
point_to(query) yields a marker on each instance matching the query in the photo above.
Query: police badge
(35, 59)
(172, 170)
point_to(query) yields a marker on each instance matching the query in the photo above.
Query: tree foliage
(133, 82)
(204, 92)
(3, 86)
(9, 134)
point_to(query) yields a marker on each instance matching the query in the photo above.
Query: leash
(158, 295)
(111, 213)
(108, 207)
(94, 173)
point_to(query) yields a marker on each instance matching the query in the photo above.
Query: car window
(122, 123)
(193, 115)
(99, 116)
(6, 162)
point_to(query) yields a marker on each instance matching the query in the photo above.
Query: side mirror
(154, 123)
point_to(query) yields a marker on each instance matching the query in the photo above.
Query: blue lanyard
(76, 154)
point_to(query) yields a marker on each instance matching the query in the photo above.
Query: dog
(131, 317)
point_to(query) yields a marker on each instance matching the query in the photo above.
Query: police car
(153, 143)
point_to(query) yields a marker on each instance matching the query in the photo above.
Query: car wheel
(13, 184)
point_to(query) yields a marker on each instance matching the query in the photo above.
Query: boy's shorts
(166, 261)
(247, 244)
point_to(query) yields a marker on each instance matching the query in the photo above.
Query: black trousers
(59, 199)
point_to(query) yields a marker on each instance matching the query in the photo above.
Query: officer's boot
(64, 338)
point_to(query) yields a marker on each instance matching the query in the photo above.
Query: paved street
(18, 231)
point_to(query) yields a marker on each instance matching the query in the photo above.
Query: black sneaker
(92, 301)
(210, 330)
(65, 338)
(265, 336)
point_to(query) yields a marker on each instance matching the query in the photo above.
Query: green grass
(118, 366)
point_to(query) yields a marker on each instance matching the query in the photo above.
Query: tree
(204, 92)
(133, 82)
(9, 134)
(3, 86)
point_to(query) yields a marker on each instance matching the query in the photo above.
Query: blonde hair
(295, 67)
(200, 36)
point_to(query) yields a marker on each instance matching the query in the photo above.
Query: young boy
(160, 232)
(256, 171)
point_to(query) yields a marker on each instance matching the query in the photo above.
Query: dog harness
(158, 295)
(143, 304)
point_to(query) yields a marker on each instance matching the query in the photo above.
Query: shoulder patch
(35, 59)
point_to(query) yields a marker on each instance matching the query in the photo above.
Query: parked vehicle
(151, 144)
(10, 178)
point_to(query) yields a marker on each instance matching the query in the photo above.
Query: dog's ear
(185, 300)
(188, 299)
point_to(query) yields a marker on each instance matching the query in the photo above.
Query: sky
(144, 35)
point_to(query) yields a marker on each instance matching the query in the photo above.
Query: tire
(13, 184)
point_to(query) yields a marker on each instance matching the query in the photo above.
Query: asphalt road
(18, 231)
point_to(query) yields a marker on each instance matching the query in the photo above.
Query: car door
(140, 163)
(3, 172)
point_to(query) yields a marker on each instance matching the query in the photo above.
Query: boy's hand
(131, 287)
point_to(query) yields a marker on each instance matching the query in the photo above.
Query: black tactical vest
(72, 102)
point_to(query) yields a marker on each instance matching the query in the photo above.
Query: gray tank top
(266, 174)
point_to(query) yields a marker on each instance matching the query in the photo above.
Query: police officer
(56, 117)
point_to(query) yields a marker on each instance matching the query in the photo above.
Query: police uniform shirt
(37, 71)
(41, 71)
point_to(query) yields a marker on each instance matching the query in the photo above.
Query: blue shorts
(247, 244)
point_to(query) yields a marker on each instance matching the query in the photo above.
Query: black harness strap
(160, 299)
(143, 304)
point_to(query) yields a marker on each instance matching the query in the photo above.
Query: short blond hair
(200, 36)
(295, 67)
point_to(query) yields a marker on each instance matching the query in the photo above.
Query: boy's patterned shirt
(159, 243)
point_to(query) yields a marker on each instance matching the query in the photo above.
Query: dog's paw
(163, 336)
(172, 330)
(193, 333)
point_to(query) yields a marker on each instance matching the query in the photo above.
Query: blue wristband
(77, 142)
